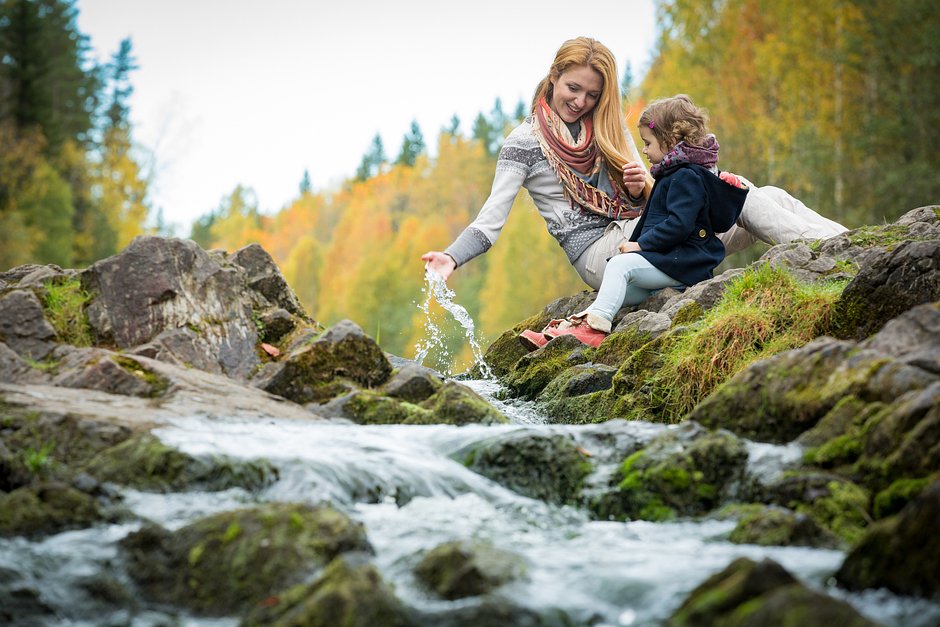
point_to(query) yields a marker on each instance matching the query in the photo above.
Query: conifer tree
(412, 146)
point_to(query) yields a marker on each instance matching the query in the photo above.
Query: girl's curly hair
(676, 119)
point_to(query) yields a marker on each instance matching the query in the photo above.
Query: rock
(413, 383)
(456, 404)
(683, 472)
(777, 399)
(777, 526)
(549, 467)
(835, 504)
(912, 338)
(890, 284)
(265, 278)
(312, 372)
(277, 324)
(762, 594)
(157, 285)
(455, 570)
(350, 592)
(145, 463)
(706, 294)
(46, 508)
(576, 395)
(14, 369)
(232, 561)
(23, 326)
(901, 553)
(535, 370)
(96, 369)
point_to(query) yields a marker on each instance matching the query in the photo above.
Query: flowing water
(436, 289)
(408, 486)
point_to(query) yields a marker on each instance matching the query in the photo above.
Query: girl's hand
(439, 263)
(629, 247)
(634, 178)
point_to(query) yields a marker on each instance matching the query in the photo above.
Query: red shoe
(589, 328)
(532, 339)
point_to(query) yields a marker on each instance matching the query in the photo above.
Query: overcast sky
(246, 92)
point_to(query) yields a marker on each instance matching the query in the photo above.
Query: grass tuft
(64, 304)
(763, 312)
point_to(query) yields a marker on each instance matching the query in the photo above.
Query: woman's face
(576, 92)
(651, 146)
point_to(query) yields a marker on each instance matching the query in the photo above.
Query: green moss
(762, 312)
(48, 507)
(888, 237)
(48, 365)
(146, 463)
(64, 304)
(158, 384)
(670, 478)
(843, 511)
(893, 498)
(843, 449)
(233, 560)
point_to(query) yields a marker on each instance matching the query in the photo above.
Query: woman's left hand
(629, 247)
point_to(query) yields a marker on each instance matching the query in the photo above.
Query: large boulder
(23, 326)
(762, 594)
(455, 570)
(890, 284)
(686, 471)
(315, 371)
(350, 592)
(901, 553)
(230, 562)
(546, 466)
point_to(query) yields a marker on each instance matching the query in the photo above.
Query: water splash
(437, 289)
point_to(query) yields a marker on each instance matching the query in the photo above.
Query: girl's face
(651, 146)
(576, 92)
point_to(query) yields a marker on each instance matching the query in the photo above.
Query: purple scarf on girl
(705, 155)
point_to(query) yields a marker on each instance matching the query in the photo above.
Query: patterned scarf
(705, 155)
(579, 164)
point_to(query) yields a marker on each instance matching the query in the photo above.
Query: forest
(837, 102)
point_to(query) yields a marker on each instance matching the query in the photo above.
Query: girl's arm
(685, 198)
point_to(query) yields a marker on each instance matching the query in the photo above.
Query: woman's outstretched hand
(439, 263)
(634, 178)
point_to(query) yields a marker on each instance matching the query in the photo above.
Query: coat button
(702, 233)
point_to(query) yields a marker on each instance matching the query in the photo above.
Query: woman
(584, 175)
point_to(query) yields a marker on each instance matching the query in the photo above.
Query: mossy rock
(901, 553)
(550, 467)
(342, 352)
(455, 570)
(833, 502)
(456, 404)
(752, 594)
(775, 526)
(578, 395)
(350, 592)
(367, 408)
(503, 354)
(230, 562)
(677, 474)
(618, 346)
(892, 499)
(46, 508)
(146, 463)
(536, 370)
(777, 399)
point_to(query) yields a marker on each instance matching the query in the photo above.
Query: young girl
(674, 243)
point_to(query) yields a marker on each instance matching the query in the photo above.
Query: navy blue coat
(676, 232)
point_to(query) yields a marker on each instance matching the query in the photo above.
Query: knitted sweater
(522, 164)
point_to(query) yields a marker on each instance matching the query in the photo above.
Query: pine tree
(412, 146)
(305, 186)
(372, 161)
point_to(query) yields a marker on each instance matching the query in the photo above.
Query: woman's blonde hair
(609, 129)
(676, 119)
